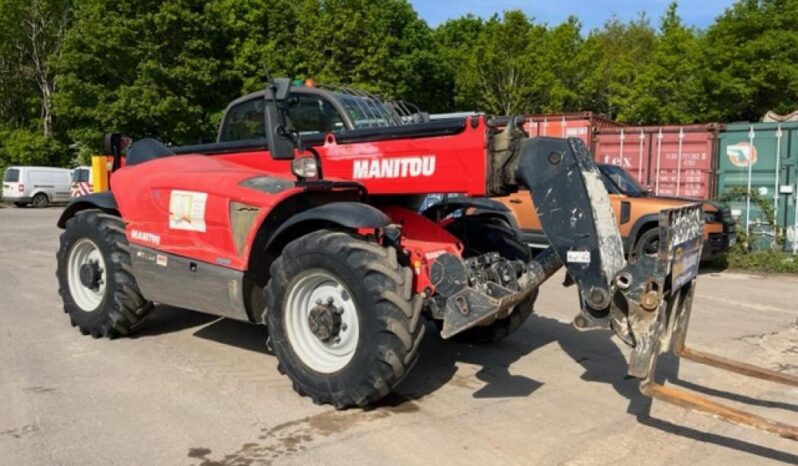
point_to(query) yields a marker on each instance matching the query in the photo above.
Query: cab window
(244, 121)
(313, 115)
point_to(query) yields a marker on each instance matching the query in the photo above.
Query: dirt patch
(298, 435)
(778, 344)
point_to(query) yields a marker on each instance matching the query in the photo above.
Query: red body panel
(454, 163)
(144, 203)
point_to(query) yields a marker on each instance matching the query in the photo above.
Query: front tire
(95, 282)
(480, 235)
(342, 319)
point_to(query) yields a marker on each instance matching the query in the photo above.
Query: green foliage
(27, 147)
(168, 69)
(751, 55)
(760, 261)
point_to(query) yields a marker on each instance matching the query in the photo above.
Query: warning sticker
(187, 210)
(578, 257)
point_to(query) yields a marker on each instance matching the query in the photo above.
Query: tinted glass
(80, 176)
(244, 121)
(367, 112)
(622, 180)
(313, 115)
(12, 175)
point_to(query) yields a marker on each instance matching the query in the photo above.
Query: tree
(751, 53)
(614, 57)
(31, 35)
(147, 68)
(670, 89)
(500, 74)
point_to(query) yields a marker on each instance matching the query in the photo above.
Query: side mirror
(279, 136)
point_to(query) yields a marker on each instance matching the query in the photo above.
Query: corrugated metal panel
(563, 125)
(671, 160)
(762, 157)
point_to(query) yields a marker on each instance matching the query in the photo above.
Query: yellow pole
(99, 173)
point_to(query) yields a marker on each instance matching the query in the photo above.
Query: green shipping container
(766, 156)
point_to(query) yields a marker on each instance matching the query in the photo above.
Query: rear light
(21, 187)
(305, 167)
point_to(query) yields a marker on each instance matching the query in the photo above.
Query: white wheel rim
(307, 290)
(84, 251)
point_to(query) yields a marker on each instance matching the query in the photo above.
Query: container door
(759, 156)
(681, 161)
(626, 148)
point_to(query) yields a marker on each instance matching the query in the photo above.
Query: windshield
(81, 175)
(12, 175)
(622, 180)
(367, 112)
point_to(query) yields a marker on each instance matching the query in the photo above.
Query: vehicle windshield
(622, 180)
(11, 176)
(366, 111)
(81, 175)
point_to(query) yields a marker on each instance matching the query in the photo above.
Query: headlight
(305, 167)
(710, 217)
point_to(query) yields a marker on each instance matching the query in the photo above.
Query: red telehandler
(303, 217)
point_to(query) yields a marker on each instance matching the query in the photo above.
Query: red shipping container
(565, 125)
(670, 160)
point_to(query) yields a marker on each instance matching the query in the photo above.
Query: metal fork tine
(736, 366)
(703, 405)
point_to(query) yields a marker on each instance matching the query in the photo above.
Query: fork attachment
(647, 302)
(659, 327)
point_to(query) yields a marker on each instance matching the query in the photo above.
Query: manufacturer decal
(397, 167)
(161, 260)
(187, 210)
(578, 257)
(145, 237)
(223, 261)
(741, 154)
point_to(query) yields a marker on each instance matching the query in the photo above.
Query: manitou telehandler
(303, 217)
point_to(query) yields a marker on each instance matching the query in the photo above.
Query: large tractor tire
(342, 319)
(480, 235)
(95, 282)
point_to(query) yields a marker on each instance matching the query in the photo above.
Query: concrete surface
(194, 389)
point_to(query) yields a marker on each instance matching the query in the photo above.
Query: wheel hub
(90, 275)
(324, 321)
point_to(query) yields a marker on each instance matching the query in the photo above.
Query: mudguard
(104, 201)
(346, 214)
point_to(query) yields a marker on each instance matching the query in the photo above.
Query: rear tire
(330, 271)
(480, 235)
(95, 282)
(40, 201)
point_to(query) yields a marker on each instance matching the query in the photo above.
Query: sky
(591, 13)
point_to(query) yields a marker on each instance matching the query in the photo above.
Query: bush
(26, 147)
(759, 261)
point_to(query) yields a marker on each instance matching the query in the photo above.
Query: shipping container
(677, 161)
(763, 158)
(564, 125)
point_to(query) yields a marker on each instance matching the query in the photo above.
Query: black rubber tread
(37, 201)
(391, 328)
(123, 309)
(482, 234)
(644, 238)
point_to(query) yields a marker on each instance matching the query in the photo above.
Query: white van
(39, 186)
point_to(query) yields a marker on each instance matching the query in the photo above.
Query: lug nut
(555, 158)
(330, 300)
(344, 327)
(337, 340)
